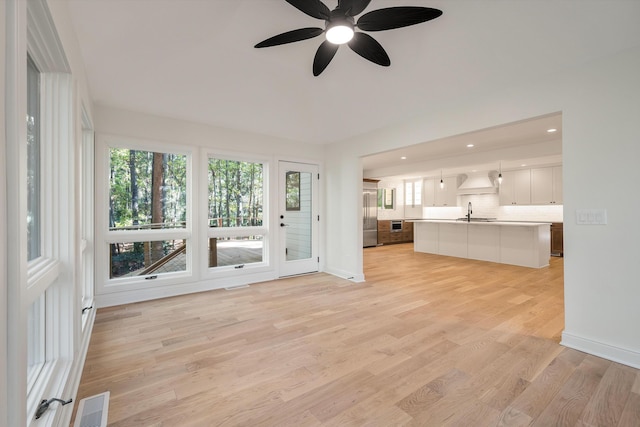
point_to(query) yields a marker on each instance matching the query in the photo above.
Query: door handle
(282, 224)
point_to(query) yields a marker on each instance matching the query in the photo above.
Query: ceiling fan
(340, 25)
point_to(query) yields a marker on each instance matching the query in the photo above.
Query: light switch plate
(591, 216)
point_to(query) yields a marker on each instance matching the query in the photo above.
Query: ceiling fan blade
(313, 8)
(396, 17)
(355, 7)
(367, 47)
(324, 55)
(291, 36)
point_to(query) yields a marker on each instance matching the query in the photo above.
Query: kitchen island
(517, 243)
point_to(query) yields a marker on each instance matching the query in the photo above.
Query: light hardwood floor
(426, 341)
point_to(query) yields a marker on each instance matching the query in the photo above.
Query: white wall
(601, 148)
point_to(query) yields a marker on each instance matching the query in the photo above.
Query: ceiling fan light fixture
(340, 33)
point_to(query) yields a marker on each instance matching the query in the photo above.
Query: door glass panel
(298, 221)
(225, 251)
(145, 258)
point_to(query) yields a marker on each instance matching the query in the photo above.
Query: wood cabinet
(388, 237)
(546, 185)
(516, 187)
(436, 196)
(557, 239)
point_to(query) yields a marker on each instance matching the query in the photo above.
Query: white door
(298, 218)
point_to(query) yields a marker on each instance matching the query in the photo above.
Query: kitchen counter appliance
(369, 214)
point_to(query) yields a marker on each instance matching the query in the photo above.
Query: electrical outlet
(591, 216)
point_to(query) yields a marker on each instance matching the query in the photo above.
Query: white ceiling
(511, 146)
(195, 60)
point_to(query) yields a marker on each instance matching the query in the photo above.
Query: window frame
(86, 149)
(230, 271)
(51, 274)
(105, 237)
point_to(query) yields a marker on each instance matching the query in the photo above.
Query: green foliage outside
(236, 194)
(131, 192)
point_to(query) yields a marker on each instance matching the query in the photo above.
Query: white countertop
(454, 221)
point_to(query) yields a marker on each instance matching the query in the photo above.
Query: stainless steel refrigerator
(370, 214)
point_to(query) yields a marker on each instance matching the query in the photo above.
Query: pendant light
(500, 175)
(441, 181)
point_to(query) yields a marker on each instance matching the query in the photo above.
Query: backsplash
(484, 206)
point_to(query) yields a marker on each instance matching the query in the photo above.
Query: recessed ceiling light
(469, 145)
(403, 158)
(552, 130)
(474, 170)
(523, 165)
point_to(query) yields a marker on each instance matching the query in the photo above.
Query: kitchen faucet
(469, 212)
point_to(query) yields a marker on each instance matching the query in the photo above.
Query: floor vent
(233, 288)
(92, 411)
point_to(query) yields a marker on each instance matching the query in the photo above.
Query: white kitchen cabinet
(447, 196)
(436, 196)
(516, 187)
(546, 186)
(425, 238)
(483, 242)
(517, 243)
(452, 240)
(527, 246)
(429, 192)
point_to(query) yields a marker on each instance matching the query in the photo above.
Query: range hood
(477, 183)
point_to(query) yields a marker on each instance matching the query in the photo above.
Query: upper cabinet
(546, 186)
(538, 186)
(516, 187)
(436, 196)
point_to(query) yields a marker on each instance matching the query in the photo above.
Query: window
(235, 213)
(36, 314)
(41, 161)
(147, 193)
(235, 193)
(35, 340)
(413, 193)
(147, 190)
(86, 154)
(34, 217)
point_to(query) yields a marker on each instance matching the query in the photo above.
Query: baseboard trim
(606, 351)
(357, 278)
(127, 297)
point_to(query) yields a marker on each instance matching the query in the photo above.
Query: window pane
(35, 339)
(147, 190)
(224, 251)
(293, 191)
(33, 162)
(408, 193)
(417, 193)
(147, 258)
(235, 193)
